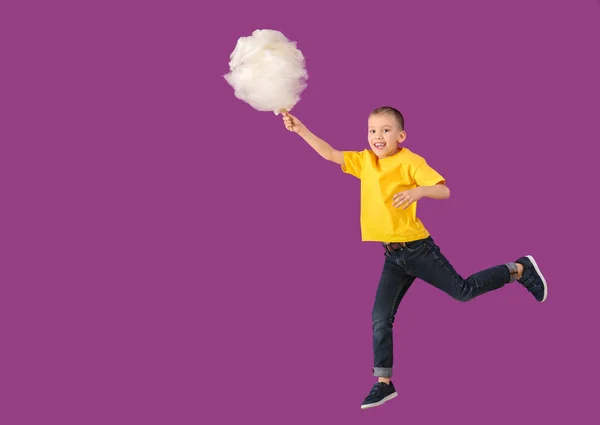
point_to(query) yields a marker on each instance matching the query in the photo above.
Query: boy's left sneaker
(532, 278)
(380, 393)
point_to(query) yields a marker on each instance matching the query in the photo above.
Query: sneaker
(380, 393)
(532, 278)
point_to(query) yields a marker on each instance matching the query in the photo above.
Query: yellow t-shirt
(380, 180)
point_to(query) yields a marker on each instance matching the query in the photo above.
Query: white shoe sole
(537, 269)
(379, 403)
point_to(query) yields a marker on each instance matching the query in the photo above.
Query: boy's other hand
(292, 123)
(407, 197)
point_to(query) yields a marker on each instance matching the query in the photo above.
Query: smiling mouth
(379, 145)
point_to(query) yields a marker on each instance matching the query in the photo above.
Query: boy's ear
(402, 137)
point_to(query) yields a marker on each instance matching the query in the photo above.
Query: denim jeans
(422, 259)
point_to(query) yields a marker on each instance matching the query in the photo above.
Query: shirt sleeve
(353, 163)
(425, 175)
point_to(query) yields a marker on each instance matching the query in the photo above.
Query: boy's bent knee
(463, 297)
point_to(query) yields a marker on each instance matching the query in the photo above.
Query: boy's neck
(394, 154)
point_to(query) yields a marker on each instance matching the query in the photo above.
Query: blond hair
(390, 110)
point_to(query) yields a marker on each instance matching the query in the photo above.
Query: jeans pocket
(416, 245)
(432, 244)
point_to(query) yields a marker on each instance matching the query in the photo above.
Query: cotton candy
(267, 71)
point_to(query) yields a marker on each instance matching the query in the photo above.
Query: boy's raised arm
(319, 145)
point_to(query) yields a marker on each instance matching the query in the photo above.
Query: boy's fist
(292, 123)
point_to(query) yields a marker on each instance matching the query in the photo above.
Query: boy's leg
(426, 261)
(393, 284)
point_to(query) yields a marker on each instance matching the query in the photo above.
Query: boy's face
(385, 135)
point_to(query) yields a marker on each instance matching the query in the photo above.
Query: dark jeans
(421, 259)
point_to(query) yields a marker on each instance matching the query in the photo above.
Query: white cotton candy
(267, 71)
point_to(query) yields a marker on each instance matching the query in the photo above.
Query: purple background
(172, 256)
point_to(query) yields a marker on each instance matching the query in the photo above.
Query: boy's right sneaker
(380, 393)
(532, 278)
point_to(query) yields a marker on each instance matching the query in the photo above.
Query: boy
(393, 179)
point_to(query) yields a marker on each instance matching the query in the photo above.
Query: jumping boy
(393, 179)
